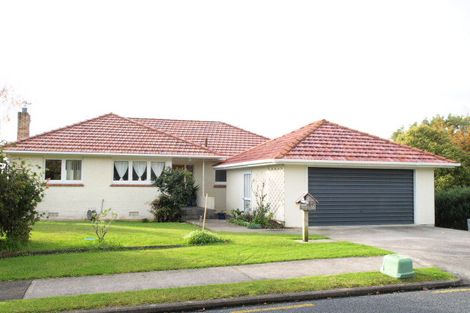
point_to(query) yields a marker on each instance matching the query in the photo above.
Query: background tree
(448, 137)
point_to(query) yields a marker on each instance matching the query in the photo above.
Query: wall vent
(133, 213)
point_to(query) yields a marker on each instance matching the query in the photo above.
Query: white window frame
(63, 171)
(244, 198)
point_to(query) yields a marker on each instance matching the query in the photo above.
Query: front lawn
(50, 235)
(171, 295)
(241, 248)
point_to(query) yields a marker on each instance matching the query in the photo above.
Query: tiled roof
(110, 133)
(326, 141)
(224, 139)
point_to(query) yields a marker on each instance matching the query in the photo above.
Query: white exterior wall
(273, 179)
(97, 179)
(424, 196)
(296, 183)
(216, 193)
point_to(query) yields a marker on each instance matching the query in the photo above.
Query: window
(121, 170)
(73, 170)
(187, 167)
(137, 171)
(63, 170)
(220, 176)
(156, 169)
(247, 191)
(54, 169)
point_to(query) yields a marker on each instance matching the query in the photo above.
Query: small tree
(262, 214)
(177, 189)
(101, 222)
(21, 189)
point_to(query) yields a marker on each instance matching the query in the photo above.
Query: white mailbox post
(306, 203)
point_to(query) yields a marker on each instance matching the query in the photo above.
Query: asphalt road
(445, 300)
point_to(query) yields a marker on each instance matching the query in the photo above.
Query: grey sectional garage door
(361, 196)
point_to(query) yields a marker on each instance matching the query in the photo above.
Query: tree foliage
(177, 189)
(448, 137)
(21, 189)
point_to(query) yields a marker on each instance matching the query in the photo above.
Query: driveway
(446, 248)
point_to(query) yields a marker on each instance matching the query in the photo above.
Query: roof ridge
(207, 121)
(309, 129)
(396, 143)
(170, 135)
(59, 129)
(171, 119)
(242, 129)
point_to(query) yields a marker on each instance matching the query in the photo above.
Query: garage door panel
(361, 196)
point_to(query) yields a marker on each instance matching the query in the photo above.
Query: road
(434, 301)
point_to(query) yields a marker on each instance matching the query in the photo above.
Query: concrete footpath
(195, 277)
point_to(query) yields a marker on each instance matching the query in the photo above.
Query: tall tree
(448, 137)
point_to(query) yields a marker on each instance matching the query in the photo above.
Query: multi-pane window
(137, 171)
(63, 170)
(220, 176)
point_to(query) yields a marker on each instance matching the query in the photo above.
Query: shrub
(21, 189)
(101, 222)
(177, 189)
(203, 237)
(164, 210)
(260, 217)
(453, 207)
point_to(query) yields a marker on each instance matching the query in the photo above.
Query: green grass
(241, 248)
(50, 235)
(254, 288)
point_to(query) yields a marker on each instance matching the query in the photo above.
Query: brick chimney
(23, 124)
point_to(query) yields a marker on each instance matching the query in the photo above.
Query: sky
(266, 66)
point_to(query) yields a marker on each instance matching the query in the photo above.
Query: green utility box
(397, 266)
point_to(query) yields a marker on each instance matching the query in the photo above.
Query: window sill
(220, 186)
(65, 185)
(131, 185)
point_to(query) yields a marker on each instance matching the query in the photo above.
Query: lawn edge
(274, 298)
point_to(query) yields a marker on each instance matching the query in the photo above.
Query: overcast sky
(267, 66)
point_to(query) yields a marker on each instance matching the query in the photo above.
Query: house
(357, 178)
(110, 161)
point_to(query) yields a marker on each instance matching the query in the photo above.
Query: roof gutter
(19, 152)
(336, 163)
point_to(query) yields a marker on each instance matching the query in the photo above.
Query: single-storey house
(111, 161)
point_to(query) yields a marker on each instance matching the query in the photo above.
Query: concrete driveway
(446, 248)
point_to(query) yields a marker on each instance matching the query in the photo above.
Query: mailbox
(307, 202)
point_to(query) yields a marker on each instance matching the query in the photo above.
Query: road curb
(273, 298)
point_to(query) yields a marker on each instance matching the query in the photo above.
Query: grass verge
(315, 283)
(241, 249)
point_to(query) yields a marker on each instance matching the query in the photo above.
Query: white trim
(326, 163)
(113, 154)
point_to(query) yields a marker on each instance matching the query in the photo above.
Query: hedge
(453, 207)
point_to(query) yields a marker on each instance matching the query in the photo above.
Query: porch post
(203, 178)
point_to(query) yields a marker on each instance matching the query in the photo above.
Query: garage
(361, 196)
